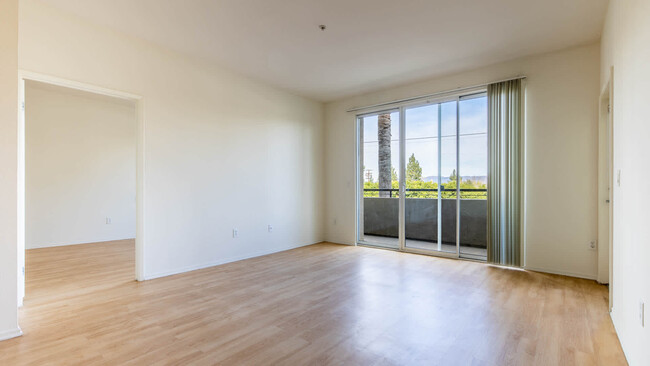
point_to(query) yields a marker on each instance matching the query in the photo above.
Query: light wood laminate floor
(321, 304)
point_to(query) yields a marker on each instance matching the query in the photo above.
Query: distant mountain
(434, 179)
(475, 178)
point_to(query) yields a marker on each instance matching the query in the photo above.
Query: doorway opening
(423, 177)
(606, 177)
(80, 185)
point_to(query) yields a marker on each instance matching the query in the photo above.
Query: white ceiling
(368, 44)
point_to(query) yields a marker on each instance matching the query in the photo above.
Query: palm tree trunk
(384, 137)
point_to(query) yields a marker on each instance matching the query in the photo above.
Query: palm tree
(384, 137)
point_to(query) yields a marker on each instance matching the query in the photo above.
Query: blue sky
(422, 138)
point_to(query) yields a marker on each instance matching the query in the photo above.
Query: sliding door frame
(359, 219)
(402, 238)
(401, 108)
(402, 179)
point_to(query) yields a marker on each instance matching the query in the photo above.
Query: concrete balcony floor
(465, 251)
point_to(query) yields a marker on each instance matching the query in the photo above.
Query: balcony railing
(381, 216)
(465, 193)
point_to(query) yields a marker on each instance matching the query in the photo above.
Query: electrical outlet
(235, 233)
(592, 245)
(270, 228)
(642, 313)
(108, 221)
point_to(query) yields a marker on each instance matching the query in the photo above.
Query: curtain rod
(460, 89)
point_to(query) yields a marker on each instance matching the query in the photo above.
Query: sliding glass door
(430, 144)
(379, 156)
(473, 162)
(422, 175)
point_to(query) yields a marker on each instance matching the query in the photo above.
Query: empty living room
(360, 182)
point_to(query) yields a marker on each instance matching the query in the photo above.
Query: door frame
(401, 109)
(606, 191)
(138, 100)
(359, 180)
(402, 217)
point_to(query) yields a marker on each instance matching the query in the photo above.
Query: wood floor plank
(317, 305)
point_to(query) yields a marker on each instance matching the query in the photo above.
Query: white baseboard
(8, 334)
(223, 261)
(563, 273)
(624, 344)
(340, 242)
(52, 245)
(528, 268)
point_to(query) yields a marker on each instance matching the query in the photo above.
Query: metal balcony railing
(475, 193)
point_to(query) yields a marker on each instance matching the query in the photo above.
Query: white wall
(8, 168)
(80, 167)
(562, 147)
(221, 151)
(625, 41)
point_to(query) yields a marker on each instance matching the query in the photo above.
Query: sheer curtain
(505, 172)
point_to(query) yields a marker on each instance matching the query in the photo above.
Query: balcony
(381, 220)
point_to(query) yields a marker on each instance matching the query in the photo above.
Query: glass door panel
(378, 170)
(448, 176)
(473, 155)
(422, 148)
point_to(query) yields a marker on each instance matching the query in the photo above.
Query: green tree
(453, 176)
(431, 189)
(393, 174)
(370, 185)
(413, 169)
